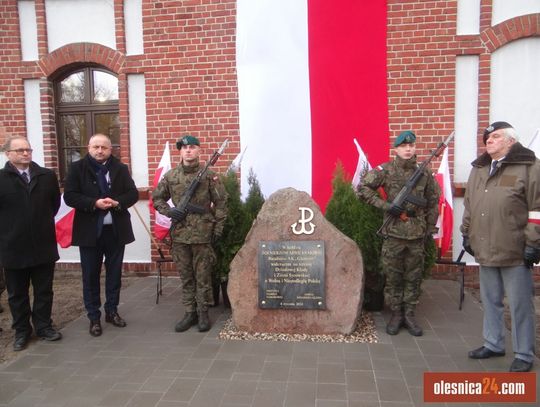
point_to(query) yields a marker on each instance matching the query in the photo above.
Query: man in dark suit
(29, 199)
(101, 190)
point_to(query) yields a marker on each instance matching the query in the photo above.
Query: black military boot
(411, 324)
(190, 319)
(204, 321)
(396, 321)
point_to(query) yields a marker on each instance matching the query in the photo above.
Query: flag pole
(439, 243)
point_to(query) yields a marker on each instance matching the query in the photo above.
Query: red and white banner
(162, 223)
(445, 222)
(311, 76)
(64, 224)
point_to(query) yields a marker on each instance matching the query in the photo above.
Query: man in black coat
(101, 190)
(29, 199)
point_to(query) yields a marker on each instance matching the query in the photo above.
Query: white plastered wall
(465, 140)
(468, 17)
(507, 9)
(72, 21)
(515, 86)
(28, 28)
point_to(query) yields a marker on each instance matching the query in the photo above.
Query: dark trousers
(18, 284)
(91, 260)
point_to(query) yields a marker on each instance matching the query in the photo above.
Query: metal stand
(461, 265)
(159, 284)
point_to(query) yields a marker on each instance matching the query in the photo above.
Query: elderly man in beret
(501, 229)
(193, 235)
(403, 247)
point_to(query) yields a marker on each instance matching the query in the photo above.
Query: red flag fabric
(445, 223)
(162, 223)
(64, 224)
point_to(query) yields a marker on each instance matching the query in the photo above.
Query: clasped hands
(106, 203)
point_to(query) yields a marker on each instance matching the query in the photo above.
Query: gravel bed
(365, 332)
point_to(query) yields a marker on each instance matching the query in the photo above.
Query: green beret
(187, 140)
(405, 137)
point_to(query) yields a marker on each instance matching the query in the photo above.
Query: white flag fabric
(534, 144)
(362, 166)
(162, 223)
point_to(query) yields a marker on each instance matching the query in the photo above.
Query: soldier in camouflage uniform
(402, 254)
(192, 237)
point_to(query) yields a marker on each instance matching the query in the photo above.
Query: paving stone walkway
(147, 364)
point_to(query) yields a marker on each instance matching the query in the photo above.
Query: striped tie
(25, 177)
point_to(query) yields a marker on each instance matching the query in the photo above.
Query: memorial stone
(296, 273)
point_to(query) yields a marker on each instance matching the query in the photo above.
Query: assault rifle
(184, 206)
(405, 195)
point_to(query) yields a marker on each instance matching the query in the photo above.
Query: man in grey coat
(501, 229)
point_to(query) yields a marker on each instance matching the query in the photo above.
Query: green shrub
(360, 222)
(240, 217)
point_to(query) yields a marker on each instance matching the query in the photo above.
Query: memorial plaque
(291, 274)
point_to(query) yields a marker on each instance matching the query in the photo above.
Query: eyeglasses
(21, 151)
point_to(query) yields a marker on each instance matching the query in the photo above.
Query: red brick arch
(83, 52)
(511, 30)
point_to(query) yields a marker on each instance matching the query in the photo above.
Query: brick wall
(189, 68)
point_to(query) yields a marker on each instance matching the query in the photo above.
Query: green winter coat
(211, 195)
(391, 177)
(501, 210)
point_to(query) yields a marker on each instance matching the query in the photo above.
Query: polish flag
(64, 224)
(311, 75)
(162, 223)
(362, 166)
(445, 222)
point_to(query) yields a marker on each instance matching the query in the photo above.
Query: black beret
(495, 126)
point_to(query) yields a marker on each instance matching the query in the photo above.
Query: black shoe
(95, 328)
(520, 365)
(484, 353)
(49, 334)
(1, 309)
(411, 324)
(21, 341)
(204, 321)
(190, 319)
(396, 321)
(115, 319)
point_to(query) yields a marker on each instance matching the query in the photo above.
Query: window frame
(88, 107)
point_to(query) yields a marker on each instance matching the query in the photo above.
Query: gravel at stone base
(365, 332)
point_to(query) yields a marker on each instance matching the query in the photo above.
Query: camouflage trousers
(195, 263)
(402, 263)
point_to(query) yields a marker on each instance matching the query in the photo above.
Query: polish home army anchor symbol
(303, 220)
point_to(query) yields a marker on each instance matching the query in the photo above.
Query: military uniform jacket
(211, 195)
(81, 192)
(502, 211)
(392, 176)
(27, 232)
